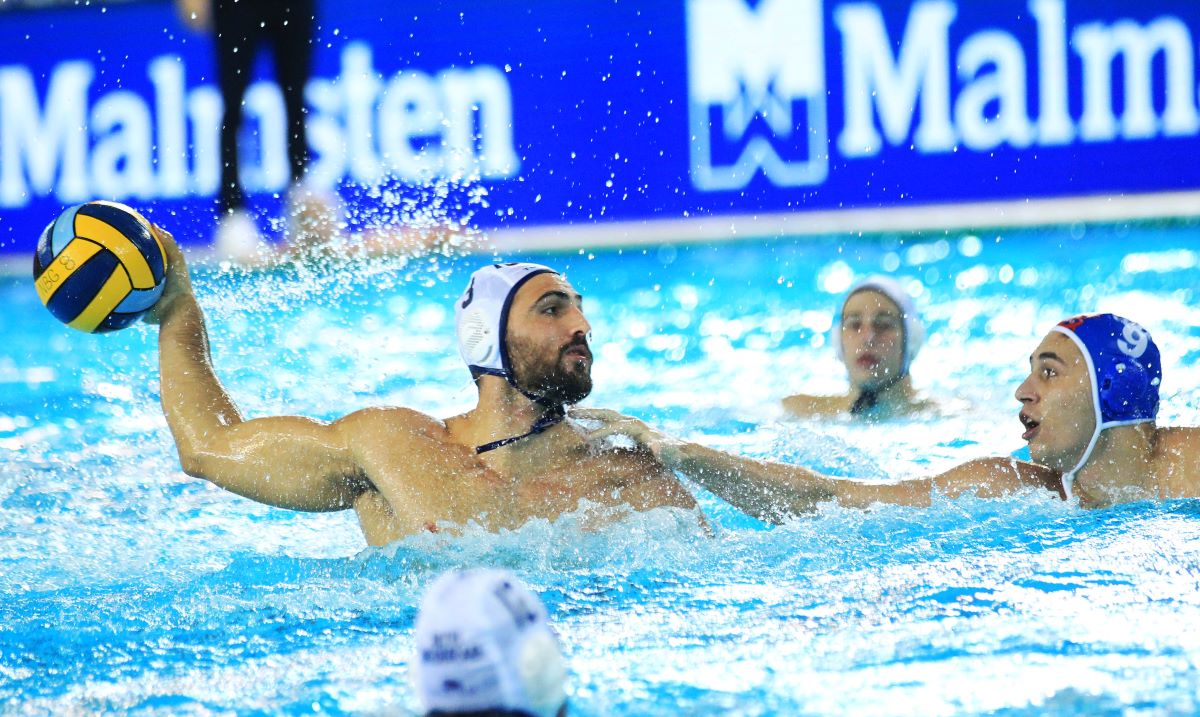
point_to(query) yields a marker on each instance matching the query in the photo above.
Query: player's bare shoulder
(390, 425)
(408, 457)
(806, 406)
(1178, 462)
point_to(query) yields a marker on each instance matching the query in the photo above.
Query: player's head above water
(524, 323)
(485, 647)
(1090, 373)
(879, 333)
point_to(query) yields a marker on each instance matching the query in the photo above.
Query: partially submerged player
(513, 457)
(877, 336)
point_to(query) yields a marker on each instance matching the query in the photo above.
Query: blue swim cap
(1126, 371)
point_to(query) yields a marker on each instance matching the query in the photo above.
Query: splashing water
(126, 587)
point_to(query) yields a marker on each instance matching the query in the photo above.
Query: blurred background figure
(241, 28)
(877, 337)
(485, 648)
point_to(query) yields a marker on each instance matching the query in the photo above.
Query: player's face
(872, 335)
(1057, 408)
(548, 340)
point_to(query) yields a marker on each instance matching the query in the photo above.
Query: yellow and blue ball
(98, 267)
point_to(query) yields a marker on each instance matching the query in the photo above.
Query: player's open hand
(616, 424)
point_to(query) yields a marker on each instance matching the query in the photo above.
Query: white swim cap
(914, 330)
(481, 315)
(484, 642)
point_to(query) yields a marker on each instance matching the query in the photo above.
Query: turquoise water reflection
(127, 587)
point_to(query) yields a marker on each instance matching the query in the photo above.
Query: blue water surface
(127, 587)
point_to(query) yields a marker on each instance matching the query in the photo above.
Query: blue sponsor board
(547, 113)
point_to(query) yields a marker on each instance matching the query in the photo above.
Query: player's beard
(556, 379)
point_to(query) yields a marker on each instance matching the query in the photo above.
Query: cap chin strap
(1068, 478)
(869, 398)
(555, 413)
(552, 416)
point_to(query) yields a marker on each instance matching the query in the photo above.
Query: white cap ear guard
(481, 315)
(484, 642)
(914, 330)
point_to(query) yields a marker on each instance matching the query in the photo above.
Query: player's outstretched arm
(768, 491)
(289, 462)
(772, 491)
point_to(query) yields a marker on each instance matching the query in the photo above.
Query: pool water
(127, 587)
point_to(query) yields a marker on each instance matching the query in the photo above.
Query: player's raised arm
(289, 461)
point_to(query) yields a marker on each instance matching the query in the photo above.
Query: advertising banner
(587, 113)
